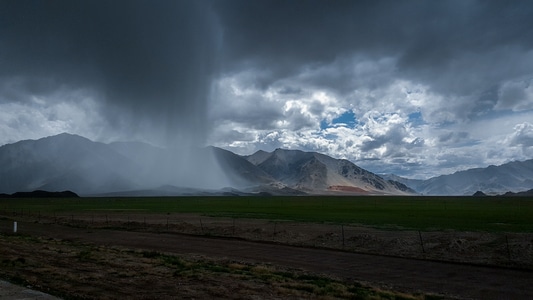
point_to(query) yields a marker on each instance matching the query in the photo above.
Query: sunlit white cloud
(521, 140)
(396, 126)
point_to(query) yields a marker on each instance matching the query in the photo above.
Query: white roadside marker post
(15, 227)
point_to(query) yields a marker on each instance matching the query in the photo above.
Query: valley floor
(75, 261)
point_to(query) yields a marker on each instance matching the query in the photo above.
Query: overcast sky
(415, 88)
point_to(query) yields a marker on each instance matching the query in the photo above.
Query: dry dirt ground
(194, 257)
(494, 249)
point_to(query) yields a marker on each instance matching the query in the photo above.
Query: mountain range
(515, 177)
(71, 162)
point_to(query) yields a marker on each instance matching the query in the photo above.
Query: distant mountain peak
(318, 173)
(512, 176)
(66, 135)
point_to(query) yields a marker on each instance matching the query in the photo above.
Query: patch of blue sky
(324, 125)
(347, 119)
(416, 118)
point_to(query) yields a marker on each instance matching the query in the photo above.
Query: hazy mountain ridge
(527, 193)
(71, 162)
(40, 194)
(63, 162)
(513, 177)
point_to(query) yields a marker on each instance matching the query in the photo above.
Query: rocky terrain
(71, 162)
(317, 173)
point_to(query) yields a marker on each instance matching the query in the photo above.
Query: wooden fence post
(421, 242)
(508, 249)
(342, 229)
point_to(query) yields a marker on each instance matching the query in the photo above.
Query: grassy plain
(491, 214)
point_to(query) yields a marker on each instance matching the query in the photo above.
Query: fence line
(477, 247)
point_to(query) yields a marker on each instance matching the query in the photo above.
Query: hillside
(64, 162)
(317, 173)
(71, 162)
(514, 177)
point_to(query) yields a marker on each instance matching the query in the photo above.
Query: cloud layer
(416, 88)
(146, 66)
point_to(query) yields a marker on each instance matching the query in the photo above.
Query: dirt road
(461, 280)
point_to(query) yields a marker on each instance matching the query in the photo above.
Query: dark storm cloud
(451, 137)
(156, 58)
(456, 47)
(287, 34)
(288, 90)
(150, 62)
(471, 48)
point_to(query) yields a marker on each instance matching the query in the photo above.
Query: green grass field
(389, 212)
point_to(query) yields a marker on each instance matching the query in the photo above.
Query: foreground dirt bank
(72, 269)
(9, 291)
(402, 274)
